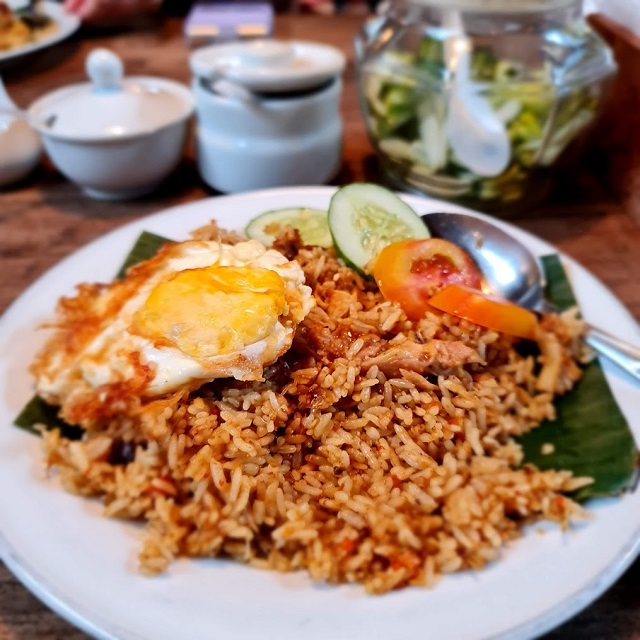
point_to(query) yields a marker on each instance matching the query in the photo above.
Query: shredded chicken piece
(314, 336)
(211, 231)
(560, 346)
(421, 358)
(288, 243)
(551, 359)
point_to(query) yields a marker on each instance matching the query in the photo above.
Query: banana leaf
(590, 435)
(146, 247)
(37, 411)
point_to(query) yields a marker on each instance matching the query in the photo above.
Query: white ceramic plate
(84, 566)
(66, 23)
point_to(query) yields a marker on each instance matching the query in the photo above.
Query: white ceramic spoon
(475, 132)
(260, 54)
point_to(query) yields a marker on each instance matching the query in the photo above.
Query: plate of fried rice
(344, 491)
(19, 37)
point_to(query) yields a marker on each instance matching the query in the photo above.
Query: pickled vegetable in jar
(477, 101)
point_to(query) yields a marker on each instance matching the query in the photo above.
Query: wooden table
(45, 218)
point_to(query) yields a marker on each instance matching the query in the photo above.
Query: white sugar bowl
(268, 114)
(115, 137)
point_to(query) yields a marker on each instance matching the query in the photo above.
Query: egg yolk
(212, 310)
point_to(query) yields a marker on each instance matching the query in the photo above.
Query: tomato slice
(410, 271)
(487, 311)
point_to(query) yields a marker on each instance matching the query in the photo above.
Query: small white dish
(20, 150)
(116, 138)
(20, 147)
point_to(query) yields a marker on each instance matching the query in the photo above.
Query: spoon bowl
(512, 272)
(509, 269)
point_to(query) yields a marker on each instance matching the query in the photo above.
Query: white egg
(197, 311)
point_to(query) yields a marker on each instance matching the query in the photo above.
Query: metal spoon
(511, 271)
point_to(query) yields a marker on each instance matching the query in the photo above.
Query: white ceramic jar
(267, 114)
(114, 137)
(20, 147)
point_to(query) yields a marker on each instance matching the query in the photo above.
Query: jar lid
(269, 65)
(110, 106)
(502, 6)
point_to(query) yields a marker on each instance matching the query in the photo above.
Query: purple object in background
(223, 21)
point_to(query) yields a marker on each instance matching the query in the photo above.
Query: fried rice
(377, 450)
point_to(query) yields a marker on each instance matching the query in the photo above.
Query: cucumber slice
(311, 223)
(364, 218)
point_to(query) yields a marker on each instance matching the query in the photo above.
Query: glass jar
(478, 100)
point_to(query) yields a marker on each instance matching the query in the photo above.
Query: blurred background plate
(66, 25)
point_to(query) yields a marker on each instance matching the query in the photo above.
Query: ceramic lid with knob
(110, 106)
(271, 66)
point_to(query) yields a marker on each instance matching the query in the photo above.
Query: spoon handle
(625, 355)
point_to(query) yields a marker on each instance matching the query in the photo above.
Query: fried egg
(197, 311)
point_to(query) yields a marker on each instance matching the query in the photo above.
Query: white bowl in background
(20, 150)
(116, 138)
(20, 147)
(281, 141)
